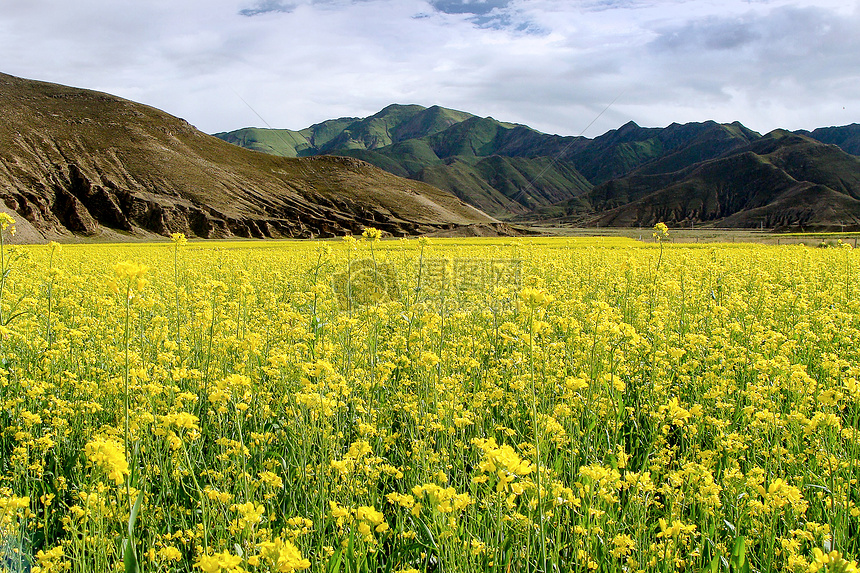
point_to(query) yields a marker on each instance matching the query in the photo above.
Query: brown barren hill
(75, 163)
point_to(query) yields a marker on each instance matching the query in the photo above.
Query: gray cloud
(712, 33)
(803, 45)
(551, 64)
(491, 14)
(779, 67)
(266, 6)
(476, 7)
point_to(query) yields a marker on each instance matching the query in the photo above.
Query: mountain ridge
(780, 181)
(516, 173)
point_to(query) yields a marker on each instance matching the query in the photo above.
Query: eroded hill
(75, 161)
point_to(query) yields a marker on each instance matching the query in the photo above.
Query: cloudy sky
(552, 64)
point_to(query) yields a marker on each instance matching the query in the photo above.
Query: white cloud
(552, 64)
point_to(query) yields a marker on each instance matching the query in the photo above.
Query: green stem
(537, 438)
(126, 366)
(176, 286)
(3, 272)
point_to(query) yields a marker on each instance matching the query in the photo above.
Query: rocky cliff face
(76, 162)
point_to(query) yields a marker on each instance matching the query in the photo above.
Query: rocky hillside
(78, 162)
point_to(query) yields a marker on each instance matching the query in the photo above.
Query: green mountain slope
(453, 150)
(282, 142)
(530, 170)
(782, 180)
(428, 122)
(684, 173)
(507, 185)
(374, 131)
(393, 124)
(619, 152)
(847, 137)
(286, 142)
(462, 160)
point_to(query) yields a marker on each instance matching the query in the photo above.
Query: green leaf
(132, 518)
(405, 549)
(427, 535)
(132, 478)
(739, 561)
(334, 562)
(707, 550)
(714, 566)
(350, 548)
(129, 558)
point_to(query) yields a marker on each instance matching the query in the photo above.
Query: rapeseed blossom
(620, 405)
(109, 456)
(7, 222)
(371, 234)
(218, 562)
(283, 556)
(178, 239)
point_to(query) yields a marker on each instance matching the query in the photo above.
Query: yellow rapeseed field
(444, 406)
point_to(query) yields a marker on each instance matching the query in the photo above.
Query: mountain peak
(398, 108)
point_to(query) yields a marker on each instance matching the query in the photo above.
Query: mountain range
(684, 174)
(75, 162)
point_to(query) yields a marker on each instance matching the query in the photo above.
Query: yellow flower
(170, 553)
(208, 563)
(7, 222)
(181, 420)
(178, 239)
(339, 513)
(109, 456)
(219, 561)
(49, 560)
(283, 555)
(371, 234)
(403, 500)
(678, 527)
(534, 298)
(130, 273)
(832, 561)
(372, 517)
(446, 500)
(428, 359)
(129, 270)
(501, 458)
(271, 479)
(624, 545)
(251, 514)
(661, 231)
